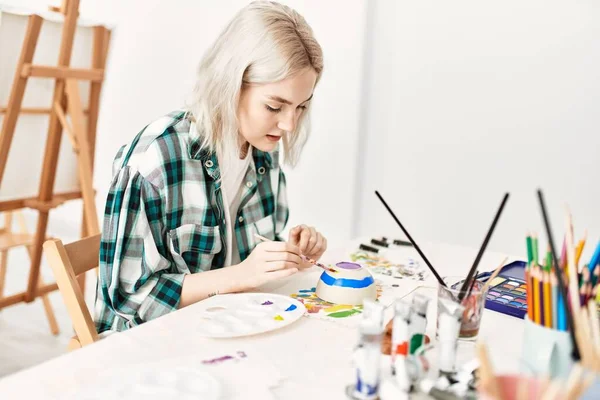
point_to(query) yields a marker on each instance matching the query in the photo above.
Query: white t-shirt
(233, 170)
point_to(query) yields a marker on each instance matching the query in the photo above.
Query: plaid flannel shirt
(164, 218)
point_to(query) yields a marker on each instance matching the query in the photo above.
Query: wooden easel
(66, 97)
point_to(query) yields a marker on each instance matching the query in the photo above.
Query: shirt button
(241, 219)
(208, 164)
(249, 184)
(261, 170)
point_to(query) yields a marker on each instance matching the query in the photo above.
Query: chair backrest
(68, 261)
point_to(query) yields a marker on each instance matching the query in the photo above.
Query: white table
(309, 359)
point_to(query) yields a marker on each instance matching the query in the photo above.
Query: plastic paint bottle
(450, 318)
(418, 322)
(400, 344)
(367, 357)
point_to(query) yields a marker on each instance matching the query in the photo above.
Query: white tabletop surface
(310, 358)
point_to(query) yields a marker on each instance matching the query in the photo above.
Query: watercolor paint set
(507, 292)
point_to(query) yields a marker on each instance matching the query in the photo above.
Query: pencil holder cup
(546, 351)
(509, 386)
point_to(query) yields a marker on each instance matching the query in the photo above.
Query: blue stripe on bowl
(343, 282)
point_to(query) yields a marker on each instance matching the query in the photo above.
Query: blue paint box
(508, 292)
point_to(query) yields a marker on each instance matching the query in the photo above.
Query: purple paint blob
(267, 303)
(217, 360)
(348, 265)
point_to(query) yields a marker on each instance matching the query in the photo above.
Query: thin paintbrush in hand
(302, 256)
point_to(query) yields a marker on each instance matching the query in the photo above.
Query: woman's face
(268, 111)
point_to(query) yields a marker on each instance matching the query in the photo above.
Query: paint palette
(507, 293)
(243, 314)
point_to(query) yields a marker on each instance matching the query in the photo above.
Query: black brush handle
(437, 276)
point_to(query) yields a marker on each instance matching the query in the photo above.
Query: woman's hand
(267, 262)
(310, 243)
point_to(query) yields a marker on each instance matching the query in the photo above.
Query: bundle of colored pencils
(545, 303)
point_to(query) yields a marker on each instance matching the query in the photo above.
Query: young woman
(194, 188)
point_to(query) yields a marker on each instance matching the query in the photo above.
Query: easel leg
(52, 147)
(45, 300)
(3, 263)
(18, 89)
(84, 159)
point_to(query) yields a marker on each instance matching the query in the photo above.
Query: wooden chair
(67, 262)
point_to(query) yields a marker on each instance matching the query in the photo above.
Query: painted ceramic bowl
(348, 283)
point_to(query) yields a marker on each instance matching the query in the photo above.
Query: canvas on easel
(49, 103)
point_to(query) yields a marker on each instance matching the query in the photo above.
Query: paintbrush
(558, 273)
(467, 282)
(494, 275)
(416, 246)
(302, 256)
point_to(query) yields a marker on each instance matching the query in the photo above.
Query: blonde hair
(265, 42)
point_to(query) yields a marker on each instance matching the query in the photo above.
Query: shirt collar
(209, 158)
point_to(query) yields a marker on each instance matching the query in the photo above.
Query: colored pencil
(547, 297)
(562, 322)
(536, 296)
(529, 293)
(542, 303)
(555, 305)
(571, 266)
(595, 258)
(529, 250)
(580, 247)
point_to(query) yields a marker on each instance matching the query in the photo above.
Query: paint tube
(450, 317)
(400, 344)
(418, 322)
(367, 358)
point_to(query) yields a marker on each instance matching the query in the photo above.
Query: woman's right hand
(267, 262)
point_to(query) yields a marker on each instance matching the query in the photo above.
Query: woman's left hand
(310, 242)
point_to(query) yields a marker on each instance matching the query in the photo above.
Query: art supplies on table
(367, 354)
(472, 303)
(348, 283)
(400, 344)
(507, 292)
(449, 322)
(242, 314)
(415, 245)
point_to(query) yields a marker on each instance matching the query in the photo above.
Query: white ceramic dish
(243, 314)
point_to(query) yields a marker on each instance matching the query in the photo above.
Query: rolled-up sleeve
(138, 281)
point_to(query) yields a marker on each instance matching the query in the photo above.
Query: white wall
(470, 99)
(155, 50)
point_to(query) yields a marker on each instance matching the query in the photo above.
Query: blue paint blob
(291, 308)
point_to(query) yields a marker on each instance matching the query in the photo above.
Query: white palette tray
(243, 314)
